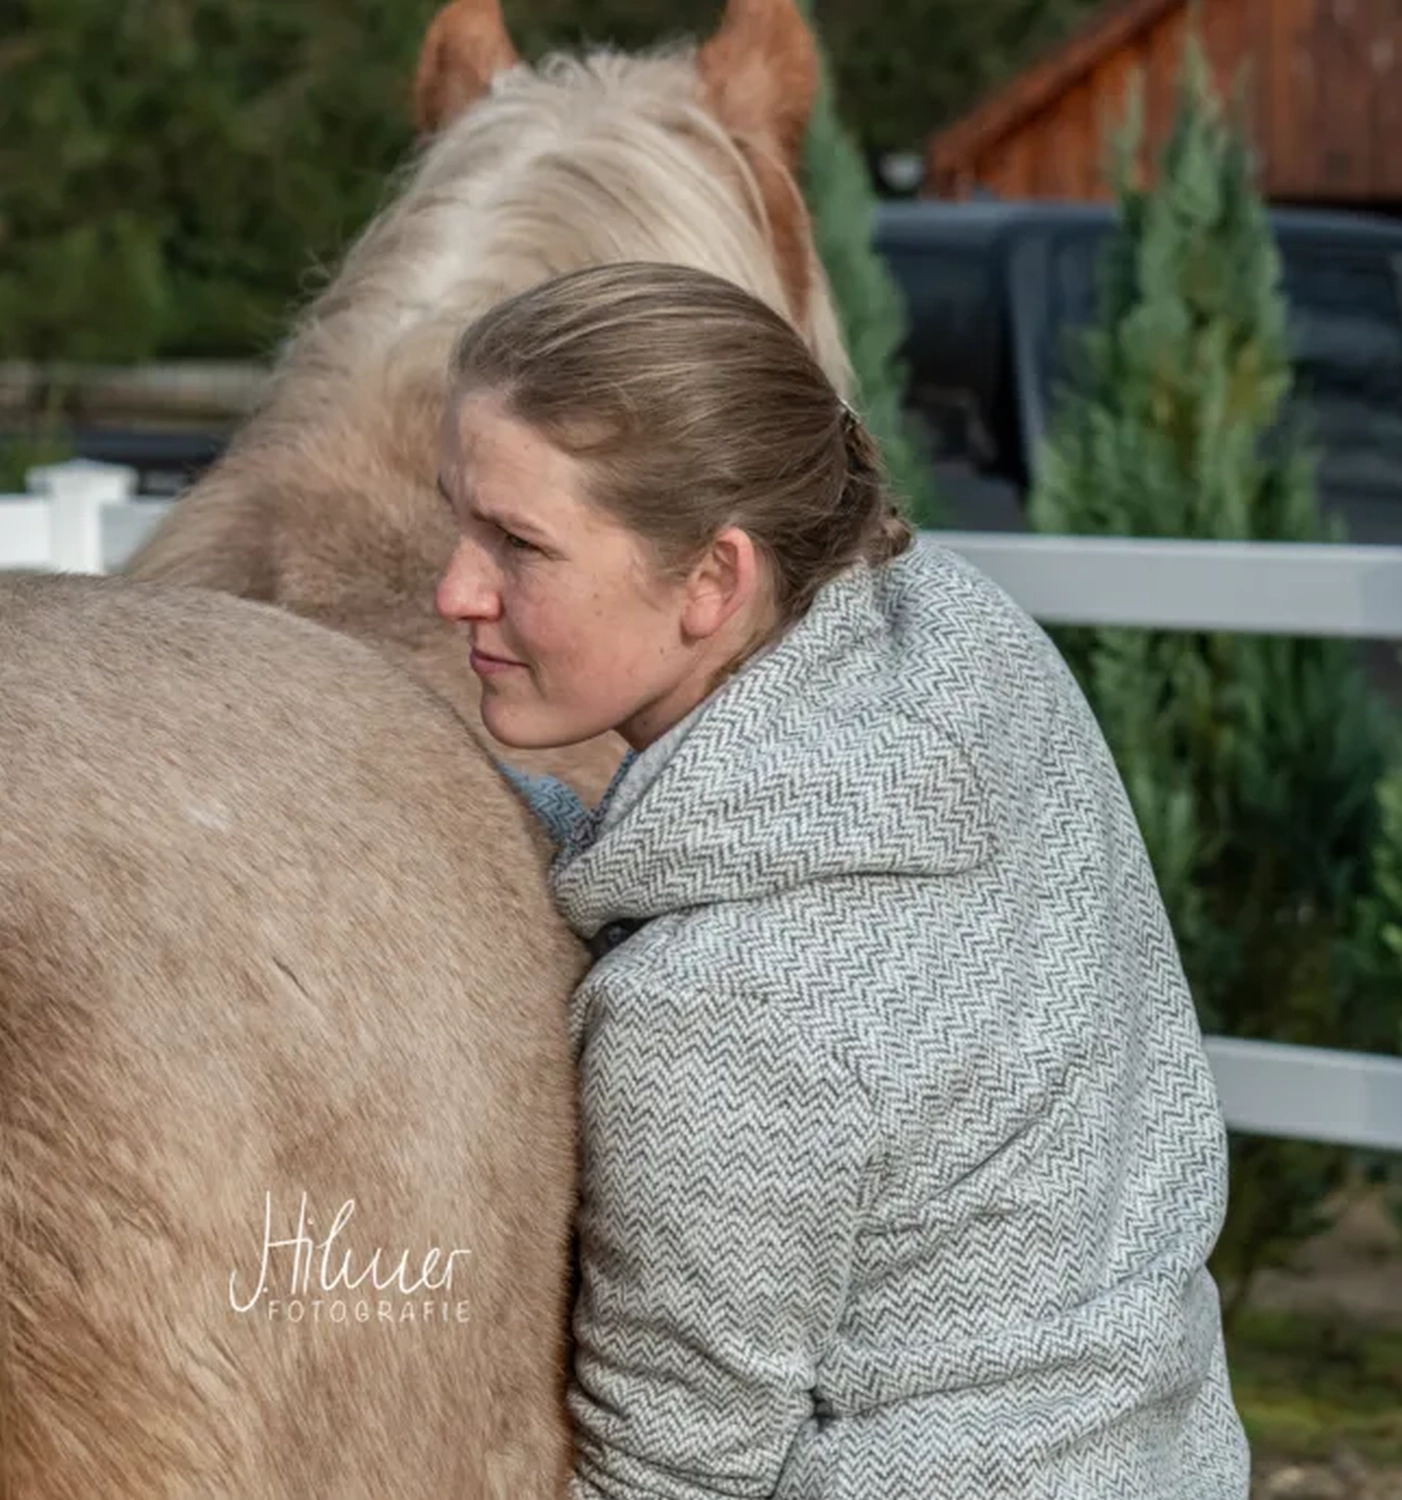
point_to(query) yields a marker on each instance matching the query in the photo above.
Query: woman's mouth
(490, 666)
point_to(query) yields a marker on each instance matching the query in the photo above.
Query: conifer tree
(1252, 761)
(870, 310)
(1379, 927)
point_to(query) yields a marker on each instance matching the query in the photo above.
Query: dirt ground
(1354, 1274)
(1348, 1477)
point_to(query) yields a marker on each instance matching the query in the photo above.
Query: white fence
(82, 517)
(77, 517)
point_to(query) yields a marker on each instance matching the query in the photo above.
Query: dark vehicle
(995, 290)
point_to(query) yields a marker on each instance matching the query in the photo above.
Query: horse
(286, 1103)
(327, 503)
(287, 1122)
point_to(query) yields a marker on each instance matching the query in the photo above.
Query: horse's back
(270, 924)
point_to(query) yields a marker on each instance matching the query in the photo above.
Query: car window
(1346, 334)
(950, 350)
(1345, 312)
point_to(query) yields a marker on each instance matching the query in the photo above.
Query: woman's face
(572, 631)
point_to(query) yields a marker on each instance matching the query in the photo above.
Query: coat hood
(841, 750)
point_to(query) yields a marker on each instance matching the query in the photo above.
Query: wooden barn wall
(1324, 100)
(1333, 123)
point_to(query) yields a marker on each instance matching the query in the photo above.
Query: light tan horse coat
(270, 923)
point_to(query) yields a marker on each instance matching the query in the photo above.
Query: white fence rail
(1256, 588)
(82, 517)
(77, 517)
(1309, 1093)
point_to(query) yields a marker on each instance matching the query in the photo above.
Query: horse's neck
(357, 398)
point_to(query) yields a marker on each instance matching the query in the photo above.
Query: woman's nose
(467, 590)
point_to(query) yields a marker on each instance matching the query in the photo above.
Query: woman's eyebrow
(505, 519)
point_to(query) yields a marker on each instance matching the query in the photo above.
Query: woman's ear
(729, 579)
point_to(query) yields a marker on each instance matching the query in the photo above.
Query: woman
(901, 1155)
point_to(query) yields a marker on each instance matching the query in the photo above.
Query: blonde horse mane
(326, 501)
(578, 161)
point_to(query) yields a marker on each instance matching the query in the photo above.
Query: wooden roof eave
(955, 148)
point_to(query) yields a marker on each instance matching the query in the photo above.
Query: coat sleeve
(555, 804)
(723, 1156)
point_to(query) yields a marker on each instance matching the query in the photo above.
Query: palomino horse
(269, 926)
(327, 502)
(286, 1100)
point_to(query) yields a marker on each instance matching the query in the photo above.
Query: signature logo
(331, 1265)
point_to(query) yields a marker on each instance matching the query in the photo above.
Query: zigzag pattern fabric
(901, 1156)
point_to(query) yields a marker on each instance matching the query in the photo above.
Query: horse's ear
(760, 71)
(466, 46)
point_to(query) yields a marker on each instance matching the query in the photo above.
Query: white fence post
(77, 491)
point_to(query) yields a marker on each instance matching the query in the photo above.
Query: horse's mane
(577, 161)
(325, 500)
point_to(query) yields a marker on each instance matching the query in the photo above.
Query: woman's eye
(517, 543)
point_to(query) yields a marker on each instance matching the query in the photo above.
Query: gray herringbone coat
(901, 1155)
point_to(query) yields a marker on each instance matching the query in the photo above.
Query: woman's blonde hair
(690, 406)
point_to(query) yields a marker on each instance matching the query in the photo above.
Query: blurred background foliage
(177, 175)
